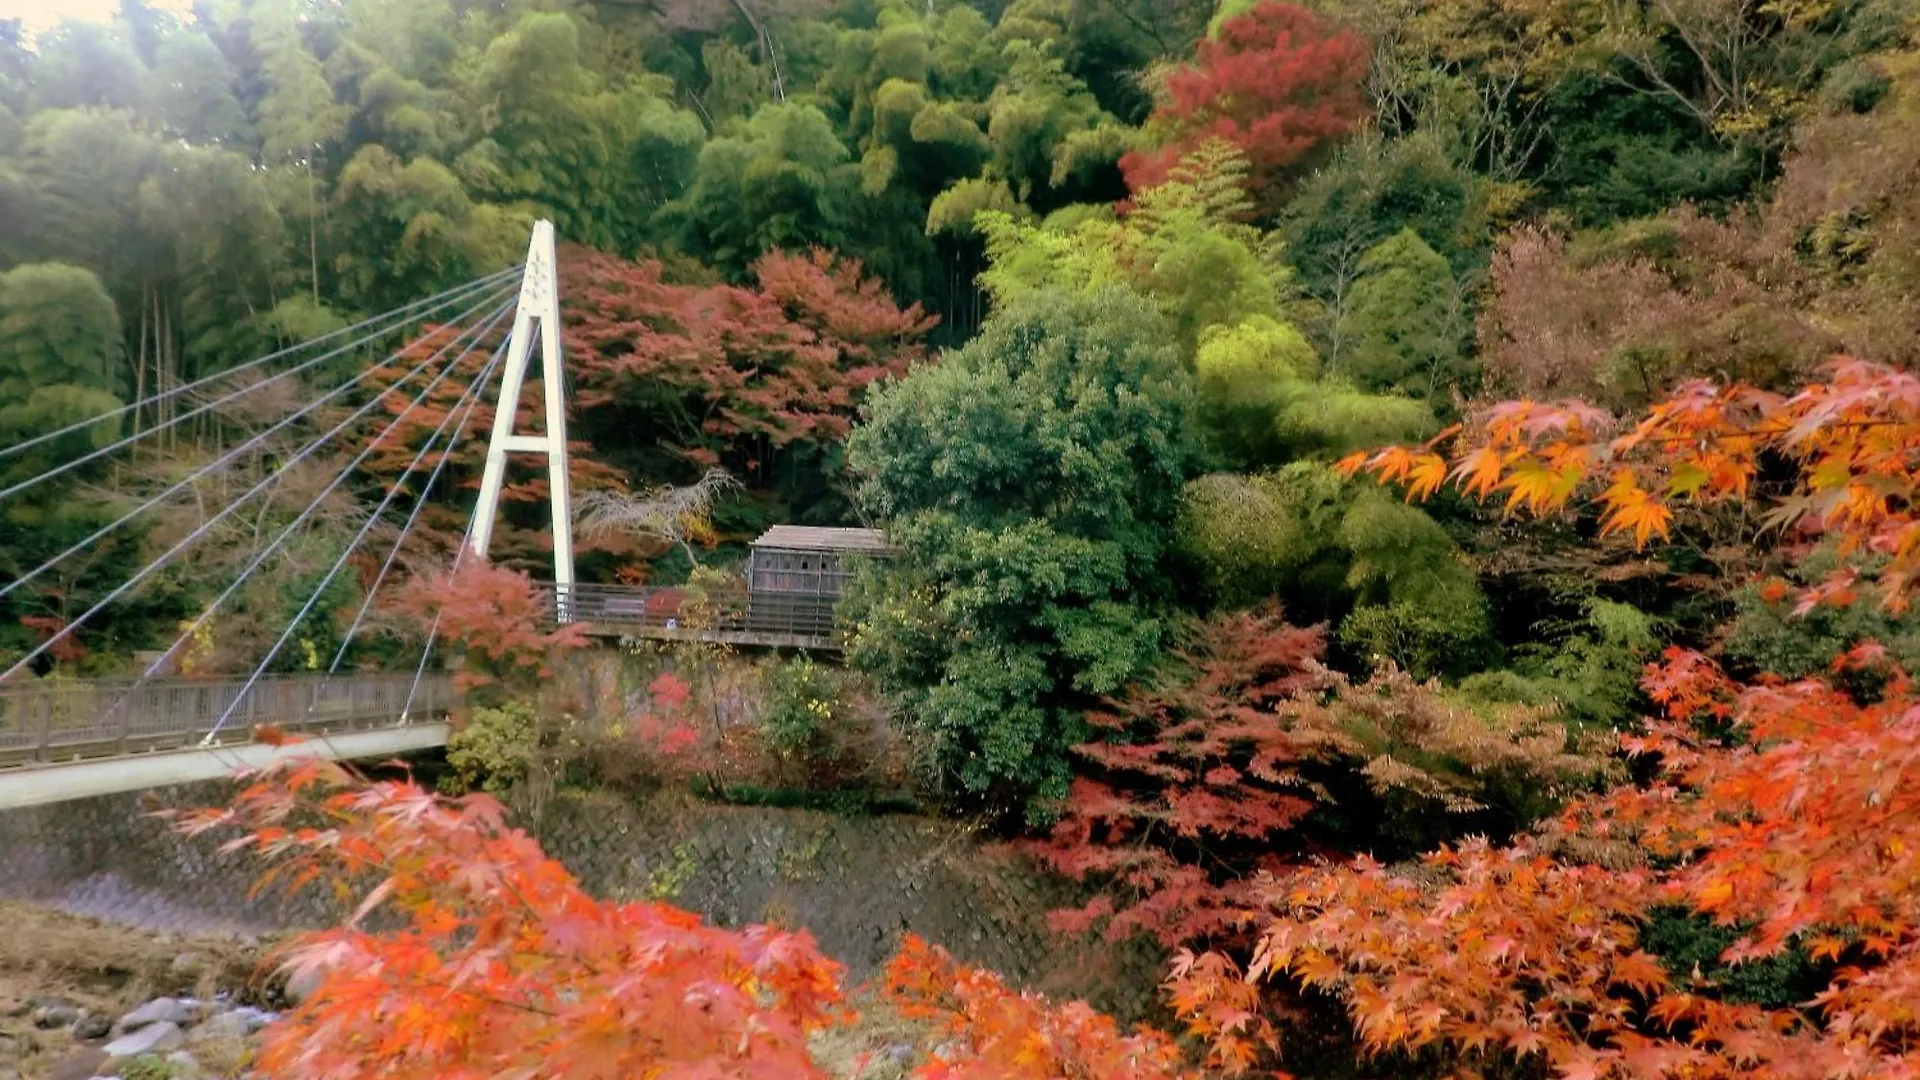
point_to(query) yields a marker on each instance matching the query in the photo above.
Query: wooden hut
(796, 574)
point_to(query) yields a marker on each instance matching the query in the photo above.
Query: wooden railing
(741, 618)
(48, 720)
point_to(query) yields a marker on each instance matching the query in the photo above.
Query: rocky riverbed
(85, 999)
(81, 998)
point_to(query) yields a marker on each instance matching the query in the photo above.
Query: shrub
(1247, 754)
(808, 721)
(1425, 641)
(495, 749)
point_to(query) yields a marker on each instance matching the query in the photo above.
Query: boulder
(226, 1025)
(55, 1014)
(152, 1039)
(164, 1010)
(92, 1026)
(182, 1064)
(302, 984)
(85, 1062)
(188, 965)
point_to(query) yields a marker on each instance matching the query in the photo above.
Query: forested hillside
(1153, 268)
(1313, 433)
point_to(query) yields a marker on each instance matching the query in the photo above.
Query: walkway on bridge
(63, 739)
(664, 614)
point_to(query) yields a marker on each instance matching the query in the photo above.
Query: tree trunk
(168, 359)
(162, 407)
(313, 232)
(140, 363)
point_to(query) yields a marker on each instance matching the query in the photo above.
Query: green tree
(783, 180)
(87, 65)
(419, 230)
(1389, 575)
(59, 354)
(606, 158)
(219, 252)
(193, 92)
(1373, 189)
(1249, 373)
(298, 117)
(1404, 321)
(1031, 480)
(58, 326)
(1184, 245)
(1419, 602)
(1273, 534)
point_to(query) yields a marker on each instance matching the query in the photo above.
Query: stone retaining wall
(857, 883)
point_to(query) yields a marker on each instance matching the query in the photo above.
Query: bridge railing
(647, 611)
(57, 720)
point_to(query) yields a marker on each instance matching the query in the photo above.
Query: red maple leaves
(1277, 81)
(496, 617)
(1200, 759)
(1802, 830)
(720, 373)
(500, 965)
(1206, 779)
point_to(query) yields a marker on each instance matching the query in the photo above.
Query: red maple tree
(1798, 830)
(1194, 777)
(1212, 775)
(1787, 813)
(1277, 81)
(723, 374)
(461, 355)
(497, 620)
(1852, 439)
(671, 378)
(64, 651)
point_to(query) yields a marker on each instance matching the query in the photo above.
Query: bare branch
(670, 515)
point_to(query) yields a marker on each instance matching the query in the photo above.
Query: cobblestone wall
(856, 883)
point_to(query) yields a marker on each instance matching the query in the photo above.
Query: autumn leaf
(1630, 508)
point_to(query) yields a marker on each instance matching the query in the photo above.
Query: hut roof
(808, 538)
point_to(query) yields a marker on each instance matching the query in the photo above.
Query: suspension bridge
(63, 739)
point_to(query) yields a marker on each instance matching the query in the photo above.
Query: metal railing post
(44, 752)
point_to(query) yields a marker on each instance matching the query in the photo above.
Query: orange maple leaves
(494, 963)
(1854, 439)
(996, 1033)
(502, 965)
(1801, 831)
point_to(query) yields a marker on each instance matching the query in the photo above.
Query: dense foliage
(1111, 313)
(506, 965)
(1780, 811)
(1316, 197)
(1031, 478)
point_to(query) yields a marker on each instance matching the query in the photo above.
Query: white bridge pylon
(536, 318)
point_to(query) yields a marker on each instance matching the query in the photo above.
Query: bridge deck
(667, 614)
(52, 722)
(106, 776)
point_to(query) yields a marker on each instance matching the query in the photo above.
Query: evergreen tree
(1403, 323)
